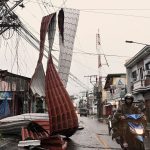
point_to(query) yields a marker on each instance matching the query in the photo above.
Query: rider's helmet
(129, 98)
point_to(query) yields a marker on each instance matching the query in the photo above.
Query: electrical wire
(46, 48)
(40, 6)
(43, 2)
(118, 9)
(52, 6)
(19, 58)
(32, 40)
(116, 14)
(107, 13)
(94, 54)
(45, 6)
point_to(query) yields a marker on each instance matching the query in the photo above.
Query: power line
(31, 39)
(117, 9)
(96, 11)
(45, 6)
(116, 14)
(94, 54)
(122, 9)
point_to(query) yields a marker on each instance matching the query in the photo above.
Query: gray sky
(116, 20)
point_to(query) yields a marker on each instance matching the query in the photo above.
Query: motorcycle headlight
(139, 131)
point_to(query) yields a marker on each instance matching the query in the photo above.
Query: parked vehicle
(135, 132)
(83, 112)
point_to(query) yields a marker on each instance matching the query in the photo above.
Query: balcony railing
(141, 83)
(138, 84)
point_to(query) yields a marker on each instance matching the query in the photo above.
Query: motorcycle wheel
(141, 146)
(121, 144)
(109, 130)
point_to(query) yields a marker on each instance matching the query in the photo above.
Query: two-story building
(115, 87)
(138, 77)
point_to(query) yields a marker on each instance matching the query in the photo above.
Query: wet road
(94, 136)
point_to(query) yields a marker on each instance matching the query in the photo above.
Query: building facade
(138, 78)
(115, 89)
(16, 96)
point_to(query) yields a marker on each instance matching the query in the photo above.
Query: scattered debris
(29, 143)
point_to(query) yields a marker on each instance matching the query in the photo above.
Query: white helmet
(129, 96)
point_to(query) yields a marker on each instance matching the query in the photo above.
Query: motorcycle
(109, 126)
(134, 134)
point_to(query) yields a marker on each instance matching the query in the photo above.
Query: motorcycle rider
(127, 108)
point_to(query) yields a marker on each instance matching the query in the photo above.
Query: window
(147, 66)
(141, 73)
(134, 75)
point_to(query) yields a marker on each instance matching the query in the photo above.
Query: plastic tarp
(4, 108)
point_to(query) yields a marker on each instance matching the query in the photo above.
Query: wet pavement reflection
(94, 136)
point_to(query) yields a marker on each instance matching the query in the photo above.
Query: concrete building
(115, 88)
(138, 77)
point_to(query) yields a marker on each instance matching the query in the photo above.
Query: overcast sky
(116, 20)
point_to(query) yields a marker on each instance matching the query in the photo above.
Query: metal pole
(99, 86)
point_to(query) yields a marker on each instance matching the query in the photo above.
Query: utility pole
(91, 79)
(93, 82)
(99, 85)
(8, 19)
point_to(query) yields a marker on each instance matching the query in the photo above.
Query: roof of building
(138, 57)
(6, 73)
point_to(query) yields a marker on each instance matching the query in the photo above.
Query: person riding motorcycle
(127, 108)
